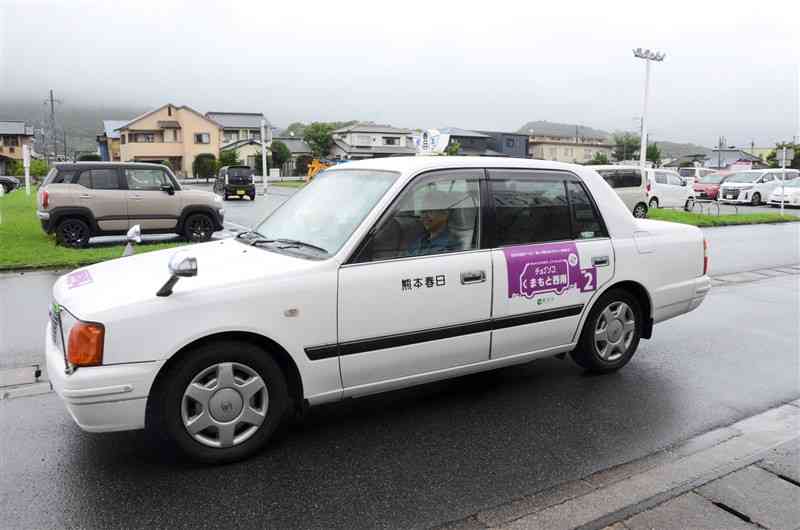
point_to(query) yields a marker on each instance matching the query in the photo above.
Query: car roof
(83, 165)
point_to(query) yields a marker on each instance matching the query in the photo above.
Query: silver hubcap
(224, 405)
(639, 211)
(614, 331)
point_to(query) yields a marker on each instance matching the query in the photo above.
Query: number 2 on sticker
(588, 285)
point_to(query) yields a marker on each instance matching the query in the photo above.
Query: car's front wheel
(756, 200)
(640, 211)
(198, 227)
(689, 205)
(610, 334)
(220, 404)
(653, 203)
(73, 232)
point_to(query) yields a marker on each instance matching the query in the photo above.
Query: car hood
(705, 186)
(199, 197)
(737, 184)
(90, 291)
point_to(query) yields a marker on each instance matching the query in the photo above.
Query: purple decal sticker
(78, 278)
(546, 268)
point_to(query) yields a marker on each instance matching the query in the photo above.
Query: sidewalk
(746, 476)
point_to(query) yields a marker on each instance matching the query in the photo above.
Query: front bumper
(102, 398)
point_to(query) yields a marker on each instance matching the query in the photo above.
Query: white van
(627, 181)
(693, 174)
(753, 186)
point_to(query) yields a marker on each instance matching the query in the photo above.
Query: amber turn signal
(86, 344)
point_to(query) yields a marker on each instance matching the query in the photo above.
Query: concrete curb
(615, 494)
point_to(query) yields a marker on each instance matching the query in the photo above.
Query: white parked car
(380, 274)
(627, 181)
(788, 194)
(669, 190)
(753, 186)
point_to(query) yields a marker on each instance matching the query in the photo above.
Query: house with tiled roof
(13, 135)
(371, 140)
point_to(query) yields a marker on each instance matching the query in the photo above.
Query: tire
(73, 232)
(253, 196)
(653, 204)
(7, 188)
(174, 404)
(640, 210)
(198, 227)
(756, 199)
(613, 312)
(689, 206)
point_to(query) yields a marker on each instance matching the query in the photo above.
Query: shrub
(204, 165)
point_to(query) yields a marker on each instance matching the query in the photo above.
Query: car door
(553, 253)
(99, 190)
(770, 183)
(416, 297)
(679, 192)
(661, 190)
(148, 204)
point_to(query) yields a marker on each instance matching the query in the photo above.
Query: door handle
(600, 261)
(473, 277)
(85, 196)
(135, 197)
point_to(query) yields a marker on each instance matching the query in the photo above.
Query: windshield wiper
(296, 242)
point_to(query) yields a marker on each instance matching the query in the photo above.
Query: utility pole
(52, 124)
(648, 56)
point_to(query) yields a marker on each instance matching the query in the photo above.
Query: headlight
(85, 346)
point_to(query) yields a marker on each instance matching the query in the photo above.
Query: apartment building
(13, 135)
(173, 133)
(571, 149)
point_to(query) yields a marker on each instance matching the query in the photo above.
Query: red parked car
(708, 187)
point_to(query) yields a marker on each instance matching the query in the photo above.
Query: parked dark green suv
(235, 181)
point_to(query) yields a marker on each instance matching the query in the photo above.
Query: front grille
(731, 193)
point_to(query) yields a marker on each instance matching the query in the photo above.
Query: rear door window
(145, 179)
(529, 207)
(99, 179)
(586, 220)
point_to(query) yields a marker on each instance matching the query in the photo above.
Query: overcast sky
(731, 68)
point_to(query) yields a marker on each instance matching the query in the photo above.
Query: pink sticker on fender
(78, 278)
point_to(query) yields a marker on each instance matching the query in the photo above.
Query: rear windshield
(686, 171)
(240, 172)
(622, 178)
(59, 176)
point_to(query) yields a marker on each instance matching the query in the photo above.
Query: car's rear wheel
(640, 211)
(7, 188)
(689, 206)
(610, 334)
(198, 227)
(220, 404)
(756, 200)
(653, 204)
(73, 232)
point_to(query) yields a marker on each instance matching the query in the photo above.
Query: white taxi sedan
(788, 193)
(380, 274)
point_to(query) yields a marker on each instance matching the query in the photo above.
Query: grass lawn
(288, 183)
(698, 219)
(23, 244)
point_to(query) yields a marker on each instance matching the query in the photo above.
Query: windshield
(743, 177)
(793, 183)
(713, 178)
(686, 171)
(327, 211)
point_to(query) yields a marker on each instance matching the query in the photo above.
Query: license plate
(729, 196)
(239, 192)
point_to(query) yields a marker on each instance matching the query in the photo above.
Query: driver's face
(433, 220)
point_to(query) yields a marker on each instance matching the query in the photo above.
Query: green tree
(167, 163)
(90, 157)
(229, 157)
(626, 146)
(257, 162)
(280, 153)
(204, 166)
(452, 149)
(298, 128)
(774, 158)
(319, 137)
(600, 159)
(653, 154)
(39, 168)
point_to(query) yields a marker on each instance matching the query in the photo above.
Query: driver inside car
(435, 216)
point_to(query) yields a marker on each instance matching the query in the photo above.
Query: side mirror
(183, 265)
(180, 266)
(168, 188)
(134, 235)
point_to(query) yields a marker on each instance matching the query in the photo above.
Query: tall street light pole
(648, 56)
